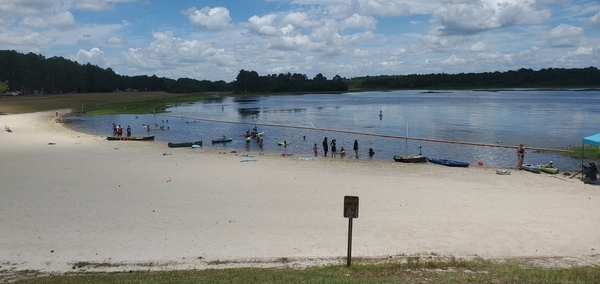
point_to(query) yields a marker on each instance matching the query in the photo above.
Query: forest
(31, 74)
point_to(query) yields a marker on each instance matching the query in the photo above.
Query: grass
(411, 269)
(590, 153)
(98, 103)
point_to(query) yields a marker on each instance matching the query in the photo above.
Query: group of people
(118, 130)
(334, 150)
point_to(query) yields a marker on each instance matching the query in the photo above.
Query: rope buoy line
(375, 135)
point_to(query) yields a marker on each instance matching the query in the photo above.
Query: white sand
(86, 199)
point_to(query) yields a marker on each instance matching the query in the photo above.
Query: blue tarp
(592, 139)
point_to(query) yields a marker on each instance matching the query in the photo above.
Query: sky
(214, 40)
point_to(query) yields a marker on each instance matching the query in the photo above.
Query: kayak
(281, 143)
(449, 163)
(222, 140)
(410, 159)
(130, 138)
(548, 170)
(253, 134)
(184, 144)
(531, 168)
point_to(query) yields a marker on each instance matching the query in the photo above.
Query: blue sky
(213, 40)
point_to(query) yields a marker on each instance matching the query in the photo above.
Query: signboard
(350, 206)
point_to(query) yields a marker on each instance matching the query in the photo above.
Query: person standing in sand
(316, 150)
(325, 147)
(128, 131)
(520, 156)
(333, 149)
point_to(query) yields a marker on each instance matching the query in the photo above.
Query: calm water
(547, 119)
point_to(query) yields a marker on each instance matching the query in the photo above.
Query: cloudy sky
(213, 40)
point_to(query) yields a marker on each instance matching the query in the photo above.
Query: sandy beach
(68, 197)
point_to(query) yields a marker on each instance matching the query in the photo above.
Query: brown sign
(351, 206)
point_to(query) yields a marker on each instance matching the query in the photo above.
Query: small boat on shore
(222, 140)
(410, 159)
(531, 168)
(130, 138)
(449, 163)
(548, 170)
(184, 144)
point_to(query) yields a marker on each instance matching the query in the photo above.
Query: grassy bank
(409, 270)
(98, 103)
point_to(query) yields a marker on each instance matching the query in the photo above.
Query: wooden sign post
(350, 212)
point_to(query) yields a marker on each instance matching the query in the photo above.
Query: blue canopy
(592, 139)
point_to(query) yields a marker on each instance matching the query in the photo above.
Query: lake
(536, 118)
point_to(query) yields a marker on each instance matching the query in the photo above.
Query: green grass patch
(590, 152)
(98, 103)
(416, 269)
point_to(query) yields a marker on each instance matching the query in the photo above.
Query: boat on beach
(548, 170)
(449, 163)
(531, 168)
(184, 144)
(130, 138)
(222, 140)
(410, 159)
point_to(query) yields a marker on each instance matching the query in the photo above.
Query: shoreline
(71, 197)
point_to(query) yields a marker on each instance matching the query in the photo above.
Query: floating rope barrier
(374, 135)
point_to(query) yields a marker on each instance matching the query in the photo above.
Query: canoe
(449, 163)
(531, 168)
(254, 135)
(184, 144)
(410, 159)
(131, 138)
(548, 170)
(222, 140)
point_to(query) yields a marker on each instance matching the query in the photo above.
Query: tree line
(34, 74)
(523, 78)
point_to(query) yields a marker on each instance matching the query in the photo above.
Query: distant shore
(71, 197)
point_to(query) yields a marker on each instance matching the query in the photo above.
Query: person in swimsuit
(333, 149)
(325, 147)
(520, 156)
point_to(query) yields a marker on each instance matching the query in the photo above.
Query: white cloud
(478, 47)
(595, 19)
(117, 40)
(385, 8)
(32, 39)
(263, 25)
(298, 20)
(470, 17)
(34, 22)
(584, 51)
(358, 21)
(566, 36)
(98, 5)
(94, 56)
(453, 60)
(216, 18)
(62, 20)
